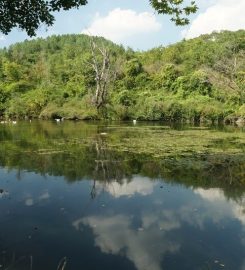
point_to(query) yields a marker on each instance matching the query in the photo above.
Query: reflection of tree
(13, 261)
(78, 151)
(108, 166)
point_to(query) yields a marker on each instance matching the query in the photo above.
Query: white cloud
(2, 38)
(220, 15)
(122, 24)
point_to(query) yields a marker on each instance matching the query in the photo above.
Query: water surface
(97, 196)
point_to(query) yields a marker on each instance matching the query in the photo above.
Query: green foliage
(241, 111)
(192, 156)
(4, 96)
(28, 15)
(195, 80)
(11, 71)
(240, 81)
(151, 109)
(174, 7)
(72, 109)
(167, 77)
(133, 67)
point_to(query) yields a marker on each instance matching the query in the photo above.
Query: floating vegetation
(49, 151)
(187, 153)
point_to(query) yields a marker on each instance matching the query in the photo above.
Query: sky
(133, 23)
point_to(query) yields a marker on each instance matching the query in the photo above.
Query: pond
(149, 196)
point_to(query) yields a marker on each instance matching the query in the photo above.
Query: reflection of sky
(115, 235)
(215, 197)
(29, 201)
(140, 185)
(147, 245)
(146, 225)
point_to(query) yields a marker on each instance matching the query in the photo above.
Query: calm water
(69, 200)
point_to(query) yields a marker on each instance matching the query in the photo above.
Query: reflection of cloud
(147, 244)
(239, 212)
(169, 222)
(44, 196)
(165, 220)
(243, 265)
(212, 195)
(29, 202)
(139, 185)
(145, 247)
(220, 204)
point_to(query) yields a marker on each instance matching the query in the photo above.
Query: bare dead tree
(101, 66)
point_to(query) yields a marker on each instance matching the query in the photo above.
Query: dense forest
(201, 79)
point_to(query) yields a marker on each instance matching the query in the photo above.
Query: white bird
(57, 120)
(14, 122)
(134, 122)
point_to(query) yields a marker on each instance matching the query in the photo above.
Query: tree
(28, 15)
(176, 9)
(230, 65)
(240, 81)
(101, 66)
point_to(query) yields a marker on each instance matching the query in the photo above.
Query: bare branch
(102, 72)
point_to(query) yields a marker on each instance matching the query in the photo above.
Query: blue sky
(136, 24)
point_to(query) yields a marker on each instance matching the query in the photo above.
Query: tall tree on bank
(28, 15)
(101, 66)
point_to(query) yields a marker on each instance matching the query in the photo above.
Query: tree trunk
(102, 73)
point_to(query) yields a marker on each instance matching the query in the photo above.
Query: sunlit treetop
(28, 15)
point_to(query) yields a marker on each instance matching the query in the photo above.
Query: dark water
(67, 197)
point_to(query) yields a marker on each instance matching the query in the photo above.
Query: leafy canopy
(195, 80)
(176, 9)
(28, 15)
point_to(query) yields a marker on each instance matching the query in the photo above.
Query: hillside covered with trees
(193, 80)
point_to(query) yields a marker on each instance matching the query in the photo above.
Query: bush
(166, 78)
(73, 109)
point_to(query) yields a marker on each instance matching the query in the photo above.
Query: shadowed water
(92, 196)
